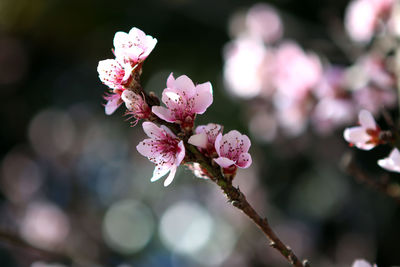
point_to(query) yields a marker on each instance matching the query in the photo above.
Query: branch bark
(238, 200)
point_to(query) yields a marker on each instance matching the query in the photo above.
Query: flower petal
(361, 263)
(171, 81)
(152, 130)
(158, 173)
(199, 140)
(145, 148)
(224, 162)
(217, 143)
(203, 98)
(359, 137)
(391, 163)
(366, 119)
(168, 131)
(120, 38)
(163, 113)
(170, 177)
(112, 104)
(184, 83)
(181, 154)
(244, 160)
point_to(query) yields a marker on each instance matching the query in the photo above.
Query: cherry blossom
(365, 136)
(184, 100)
(134, 46)
(232, 149)
(260, 15)
(162, 148)
(295, 80)
(363, 16)
(205, 137)
(391, 163)
(362, 263)
(136, 105)
(113, 73)
(247, 67)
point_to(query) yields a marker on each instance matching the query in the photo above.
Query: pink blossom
(295, 80)
(184, 100)
(114, 100)
(232, 149)
(362, 263)
(134, 46)
(292, 114)
(113, 73)
(361, 20)
(363, 16)
(375, 71)
(375, 99)
(162, 148)
(391, 163)
(247, 67)
(332, 112)
(205, 137)
(136, 105)
(334, 106)
(365, 136)
(261, 15)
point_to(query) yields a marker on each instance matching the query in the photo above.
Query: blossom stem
(13, 240)
(390, 190)
(238, 200)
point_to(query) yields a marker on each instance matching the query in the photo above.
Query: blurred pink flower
(362, 263)
(330, 113)
(264, 22)
(162, 148)
(375, 99)
(232, 149)
(334, 106)
(376, 72)
(134, 46)
(391, 163)
(113, 73)
(205, 137)
(136, 105)
(365, 136)
(292, 114)
(244, 69)
(296, 73)
(362, 17)
(184, 100)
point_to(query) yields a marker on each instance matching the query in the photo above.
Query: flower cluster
(183, 101)
(130, 50)
(368, 135)
(295, 88)
(167, 144)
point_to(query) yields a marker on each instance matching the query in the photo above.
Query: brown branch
(13, 240)
(390, 190)
(238, 200)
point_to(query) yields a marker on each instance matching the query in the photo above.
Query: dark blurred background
(71, 180)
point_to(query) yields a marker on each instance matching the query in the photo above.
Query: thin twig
(10, 239)
(392, 191)
(238, 199)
